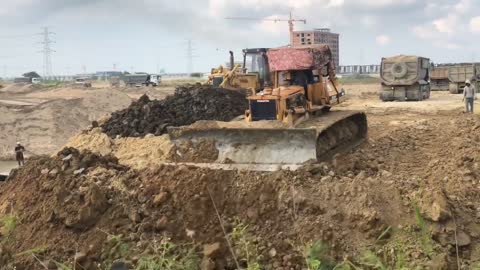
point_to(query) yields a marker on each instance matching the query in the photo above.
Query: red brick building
(319, 36)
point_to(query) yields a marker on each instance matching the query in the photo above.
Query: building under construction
(319, 36)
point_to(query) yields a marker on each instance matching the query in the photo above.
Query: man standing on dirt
(19, 149)
(469, 96)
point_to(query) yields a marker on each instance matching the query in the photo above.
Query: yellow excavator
(251, 75)
(286, 124)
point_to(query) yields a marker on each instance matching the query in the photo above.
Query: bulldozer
(251, 75)
(286, 124)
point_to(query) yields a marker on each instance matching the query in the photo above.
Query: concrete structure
(358, 69)
(319, 36)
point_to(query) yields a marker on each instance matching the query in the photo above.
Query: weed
(169, 256)
(372, 261)
(246, 247)
(425, 238)
(316, 257)
(8, 224)
(36, 251)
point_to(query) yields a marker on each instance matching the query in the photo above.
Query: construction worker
(469, 96)
(19, 149)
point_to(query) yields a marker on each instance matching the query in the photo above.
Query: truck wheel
(453, 87)
(399, 70)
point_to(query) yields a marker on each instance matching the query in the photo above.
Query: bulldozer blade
(317, 138)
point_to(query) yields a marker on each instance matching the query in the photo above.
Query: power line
(47, 51)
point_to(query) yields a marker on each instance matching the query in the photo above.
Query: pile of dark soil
(189, 104)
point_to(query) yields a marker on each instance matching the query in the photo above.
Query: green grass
(8, 224)
(168, 256)
(425, 238)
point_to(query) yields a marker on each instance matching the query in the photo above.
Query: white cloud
(450, 46)
(447, 24)
(475, 24)
(463, 6)
(336, 3)
(382, 40)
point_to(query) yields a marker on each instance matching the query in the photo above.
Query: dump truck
(82, 82)
(405, 78)
(458, 74)
(142, 79)
(286, 124)
(439, 78)
(252, 75)
(27, 80)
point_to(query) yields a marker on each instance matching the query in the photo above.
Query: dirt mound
(138, 153)
(46, 127)
(405, 198)
(188, 105)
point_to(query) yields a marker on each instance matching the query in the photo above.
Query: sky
(150, 35)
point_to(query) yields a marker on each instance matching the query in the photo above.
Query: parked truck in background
(83, 82)
(459, 73)
(404, 78)
(26, 80)
(142, 79)
(439, 78)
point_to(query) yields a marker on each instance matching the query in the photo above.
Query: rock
(326, 179)
(53, 172)
(434, 206)
(44, 171)
(161, 198)
(79, 171)
(252, 213)
(463, 239)
(385, 173)
(141, 198)
(67, 158)
(315, 168)
(439, 262)
(207, 264)
(161, 224)
(272, 252)
(80, 257)
(361, 175)
(134, 216)
(211, 250)
(119, 265)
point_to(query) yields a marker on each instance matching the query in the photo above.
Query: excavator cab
(255, 62)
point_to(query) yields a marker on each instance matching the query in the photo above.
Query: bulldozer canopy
(299, 58)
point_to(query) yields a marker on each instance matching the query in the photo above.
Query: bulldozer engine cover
(267, 143)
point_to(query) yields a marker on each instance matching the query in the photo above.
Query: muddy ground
(408, 197)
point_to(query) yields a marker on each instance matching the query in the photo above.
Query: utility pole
(47, 51)
(189, 57)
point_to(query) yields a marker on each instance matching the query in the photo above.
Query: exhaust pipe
(232, 60)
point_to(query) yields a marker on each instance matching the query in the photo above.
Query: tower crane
(290, 21)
